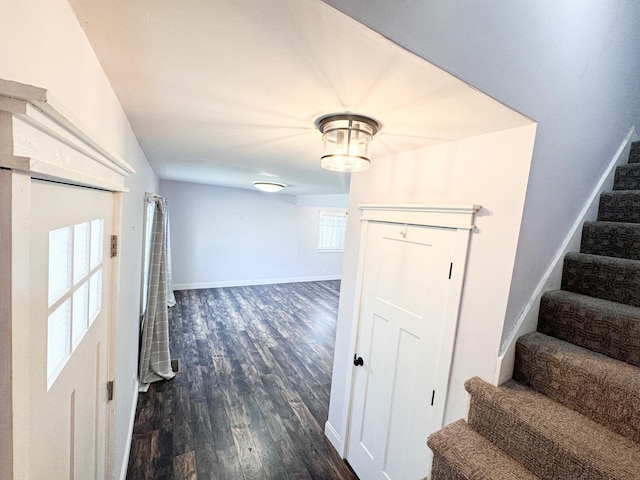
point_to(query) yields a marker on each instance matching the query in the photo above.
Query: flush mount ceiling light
(269, 187)
(345, 142)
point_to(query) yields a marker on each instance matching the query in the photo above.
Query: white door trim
(39, 139)
(458, 217)
(43, 140)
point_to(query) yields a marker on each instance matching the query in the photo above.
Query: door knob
(357, 361)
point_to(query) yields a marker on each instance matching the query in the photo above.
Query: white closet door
(403, 304)
(69, 317)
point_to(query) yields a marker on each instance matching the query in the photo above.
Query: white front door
(405, 289)
(68, 331)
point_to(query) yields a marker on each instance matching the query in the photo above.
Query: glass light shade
(269, 187)
(345, 142)
(344, 163)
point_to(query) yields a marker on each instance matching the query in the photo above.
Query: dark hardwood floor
(252, 393)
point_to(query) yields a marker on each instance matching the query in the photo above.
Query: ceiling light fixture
(345, 142)
(269, 187)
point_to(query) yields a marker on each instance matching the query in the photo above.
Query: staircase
(572, 408)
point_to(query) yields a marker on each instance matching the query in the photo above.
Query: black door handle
(357, 361)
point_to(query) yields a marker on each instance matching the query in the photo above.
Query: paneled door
(405, 290)
(68, 330)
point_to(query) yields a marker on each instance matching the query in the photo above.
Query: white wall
(572, 66)
(128, 327)
(490, 171)
(42, 44)
(228, 236)
(552, 278)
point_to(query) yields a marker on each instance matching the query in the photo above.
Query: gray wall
(229, 236)
(129, 283)
(572, 66)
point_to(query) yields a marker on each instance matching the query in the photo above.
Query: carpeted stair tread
(463, 454)
(611, 239)
(602, 326)
(609, 278)
(547, 438)
(601, 388)
(634, 155)
(620, 206)
(627, 177)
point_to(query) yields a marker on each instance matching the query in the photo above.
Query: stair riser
(634, 156)
(462, 453)
(618, 281)
(526, 445)
(441, 470)
(585, 323)
(611, 239)
(619, 207)
(602, 389)
(627, 177)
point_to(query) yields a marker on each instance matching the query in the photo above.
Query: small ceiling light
(269, 187)
(345, 142)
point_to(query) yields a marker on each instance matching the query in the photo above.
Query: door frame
(458, 217)
(112, 340)
(40, 139)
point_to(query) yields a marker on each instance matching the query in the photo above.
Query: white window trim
(330, 213)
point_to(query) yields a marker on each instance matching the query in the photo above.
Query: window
(149, 212)
(75, 289)
(331, 231)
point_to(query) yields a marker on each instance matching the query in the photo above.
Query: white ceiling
(226, 92)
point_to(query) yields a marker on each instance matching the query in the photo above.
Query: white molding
(528, 319)
(435, 215)
(345, 421)
(450, 326)
(17, 253)
(333, 436)
(112, 340)
(127, 452)
(245, 283)
(39, 137)
(6, 330)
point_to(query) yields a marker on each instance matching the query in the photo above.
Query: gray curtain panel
(155, 358)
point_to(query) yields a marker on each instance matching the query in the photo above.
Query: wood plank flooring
(252, 393)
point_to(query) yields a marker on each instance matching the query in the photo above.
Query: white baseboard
(528, 320)
(127, 451)
(334, 438)
(244, 283)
